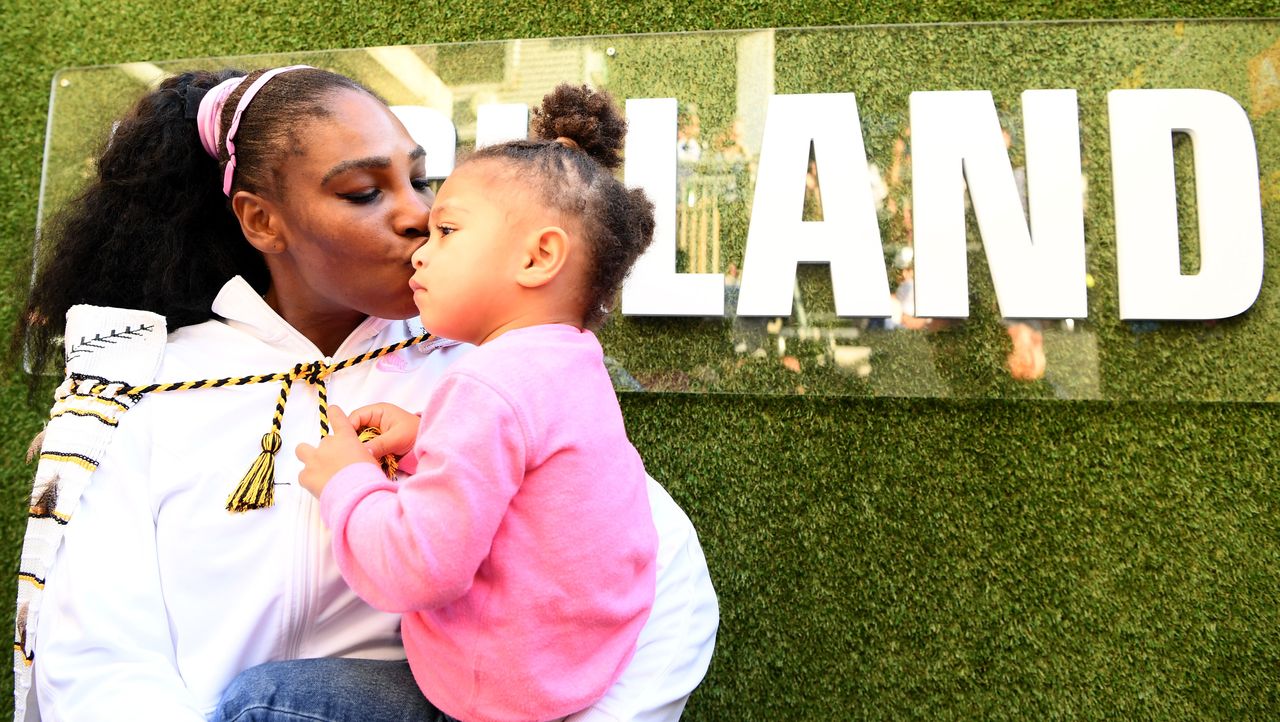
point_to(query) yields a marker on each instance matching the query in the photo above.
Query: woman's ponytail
(152, 231)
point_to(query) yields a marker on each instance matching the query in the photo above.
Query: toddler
(521, 548)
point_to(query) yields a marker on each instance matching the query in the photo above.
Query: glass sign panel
(1032, 210)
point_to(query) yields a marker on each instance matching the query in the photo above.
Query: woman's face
(353, 207)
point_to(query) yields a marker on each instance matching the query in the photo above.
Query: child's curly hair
(577, 142)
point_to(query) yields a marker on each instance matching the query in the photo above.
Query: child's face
(463, 281)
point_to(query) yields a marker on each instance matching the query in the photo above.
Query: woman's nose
(412, 213)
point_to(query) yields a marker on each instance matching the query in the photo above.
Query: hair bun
(583, 117)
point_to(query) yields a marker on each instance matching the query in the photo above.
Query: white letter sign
(1037, 272)
(1228, 204)
(848, 237)
(654, 288)
(500, 122)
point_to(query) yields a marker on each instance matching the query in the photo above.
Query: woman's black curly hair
(153, 230)
(617, 221)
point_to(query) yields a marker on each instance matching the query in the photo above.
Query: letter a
(848, 237)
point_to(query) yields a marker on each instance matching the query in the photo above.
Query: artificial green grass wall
(875, 558)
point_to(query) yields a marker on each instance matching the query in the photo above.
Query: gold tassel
(257, 489)
(390, 465)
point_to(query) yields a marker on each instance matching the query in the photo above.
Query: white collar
(243, 309)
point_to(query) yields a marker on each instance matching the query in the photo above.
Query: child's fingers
(378, 447)
(370, 415)
(339, 424)
(305, 453)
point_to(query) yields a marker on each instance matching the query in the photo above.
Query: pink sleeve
(417, 544)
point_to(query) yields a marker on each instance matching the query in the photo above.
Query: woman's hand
(336, 451)
(399, 429)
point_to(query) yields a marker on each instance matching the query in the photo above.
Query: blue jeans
(327, 690)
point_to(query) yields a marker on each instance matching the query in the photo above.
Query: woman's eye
(421, 185)
(362, 197)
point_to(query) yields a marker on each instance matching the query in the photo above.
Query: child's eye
(445, 230)
(368, 196)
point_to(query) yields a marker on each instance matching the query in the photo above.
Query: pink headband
(208, 119)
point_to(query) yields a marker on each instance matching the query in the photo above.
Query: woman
(159, 596)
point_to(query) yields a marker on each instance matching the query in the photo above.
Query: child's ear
(545, 253)
(258, 221)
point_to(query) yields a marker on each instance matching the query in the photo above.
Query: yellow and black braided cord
(256, 489)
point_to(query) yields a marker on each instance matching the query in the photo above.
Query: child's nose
(419, 257)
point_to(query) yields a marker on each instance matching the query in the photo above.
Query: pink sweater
(522, 548)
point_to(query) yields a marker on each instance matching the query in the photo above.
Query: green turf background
(875, 558)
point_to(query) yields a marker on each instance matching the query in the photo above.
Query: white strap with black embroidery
(104, 346)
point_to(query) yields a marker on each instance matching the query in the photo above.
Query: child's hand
(336, 451)
(399, 429)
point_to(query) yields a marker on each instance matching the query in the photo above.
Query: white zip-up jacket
(159, 596)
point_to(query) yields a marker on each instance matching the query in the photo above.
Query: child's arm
(399, 429)
(417, 544)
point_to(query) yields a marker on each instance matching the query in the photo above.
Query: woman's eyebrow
(375, 161)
